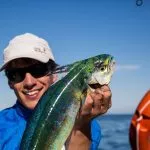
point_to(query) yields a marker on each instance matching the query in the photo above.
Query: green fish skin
(54, 116)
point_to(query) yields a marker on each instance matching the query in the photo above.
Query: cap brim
(43, 60)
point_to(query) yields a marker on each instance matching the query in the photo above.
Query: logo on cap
(41, 50)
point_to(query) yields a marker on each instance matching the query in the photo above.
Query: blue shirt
(12, 125)
(13, 122)
(95, 134)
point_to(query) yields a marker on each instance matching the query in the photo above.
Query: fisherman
(27, 62)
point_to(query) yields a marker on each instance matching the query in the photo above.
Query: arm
(96, 103)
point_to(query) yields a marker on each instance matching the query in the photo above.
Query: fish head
(101, 69)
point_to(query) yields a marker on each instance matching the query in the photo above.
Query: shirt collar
(23, 111)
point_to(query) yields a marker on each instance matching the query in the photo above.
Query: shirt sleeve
(95, 135)
(11, 129)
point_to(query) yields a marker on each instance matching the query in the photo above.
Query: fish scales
(63, 105)
(33, 121)
(54, 116)
(60, 111)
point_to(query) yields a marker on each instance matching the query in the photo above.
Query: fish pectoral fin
(83, 96)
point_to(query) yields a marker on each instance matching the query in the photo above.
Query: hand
(96, 103)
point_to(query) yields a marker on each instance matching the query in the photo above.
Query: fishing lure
(54, 116)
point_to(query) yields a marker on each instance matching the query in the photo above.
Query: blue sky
(79, 29)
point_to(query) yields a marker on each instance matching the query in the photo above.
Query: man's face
(32, 81)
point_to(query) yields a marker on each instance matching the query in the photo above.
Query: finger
(97, 103)
(106, 104)
(97, 94)
(87, 106)
(105, 88)
(110, 104)
(106, 92)
(102, 104)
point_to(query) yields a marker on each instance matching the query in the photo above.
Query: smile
(31, 93)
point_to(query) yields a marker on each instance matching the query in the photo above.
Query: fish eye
(102, 68)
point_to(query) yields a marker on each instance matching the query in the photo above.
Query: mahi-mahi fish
(54, 116)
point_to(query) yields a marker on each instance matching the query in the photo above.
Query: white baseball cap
(27, 46)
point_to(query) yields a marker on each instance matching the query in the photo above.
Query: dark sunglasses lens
(39, 71)
(15, 75)
(18, 75)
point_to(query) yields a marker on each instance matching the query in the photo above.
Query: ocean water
(115, 131)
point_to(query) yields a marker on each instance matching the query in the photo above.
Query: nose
(29, 81)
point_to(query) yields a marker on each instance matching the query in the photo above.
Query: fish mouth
(95, 86)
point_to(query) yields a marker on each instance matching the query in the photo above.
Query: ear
(55, 77)
(10, 84)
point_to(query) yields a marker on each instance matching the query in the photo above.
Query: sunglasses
(18, 74)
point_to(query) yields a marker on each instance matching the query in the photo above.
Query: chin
(31, 106)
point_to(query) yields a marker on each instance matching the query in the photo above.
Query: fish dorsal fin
(65, 68)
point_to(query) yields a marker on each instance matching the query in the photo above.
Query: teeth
(31, 93)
